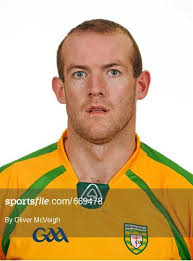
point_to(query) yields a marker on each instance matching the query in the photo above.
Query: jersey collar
(125, 167)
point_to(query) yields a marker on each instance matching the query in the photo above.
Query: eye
(79, 74)
(113, 72)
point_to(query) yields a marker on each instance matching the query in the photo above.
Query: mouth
(97, 110)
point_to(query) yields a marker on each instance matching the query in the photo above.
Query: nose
(97, 86)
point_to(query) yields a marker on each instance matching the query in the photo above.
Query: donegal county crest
(135, 237)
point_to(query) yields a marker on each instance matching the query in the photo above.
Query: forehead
(96, 48)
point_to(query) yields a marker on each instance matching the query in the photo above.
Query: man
(127, 191)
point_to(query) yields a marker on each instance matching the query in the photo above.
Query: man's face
(99, 84)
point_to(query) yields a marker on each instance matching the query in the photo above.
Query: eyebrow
(74, 66)
(111, 65)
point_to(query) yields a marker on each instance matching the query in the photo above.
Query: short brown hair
(102, 26)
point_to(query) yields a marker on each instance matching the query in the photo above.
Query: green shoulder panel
(34, 154)
(155, 155)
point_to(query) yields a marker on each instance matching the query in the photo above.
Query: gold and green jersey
(145, 212)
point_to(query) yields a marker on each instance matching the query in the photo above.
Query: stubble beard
(104, 131)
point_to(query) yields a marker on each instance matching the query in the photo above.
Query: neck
(98, 163)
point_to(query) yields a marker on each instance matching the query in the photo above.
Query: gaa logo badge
(135, 237)
(40, 235)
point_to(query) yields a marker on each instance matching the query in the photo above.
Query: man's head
(100, 78)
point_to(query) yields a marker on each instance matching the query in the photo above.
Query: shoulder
(37, 153)
(29, 168)
(164, 166)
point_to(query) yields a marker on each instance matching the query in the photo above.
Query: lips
(97, 109)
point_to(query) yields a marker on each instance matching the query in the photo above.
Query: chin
(98, 135)
(98, 139)
(99, 132)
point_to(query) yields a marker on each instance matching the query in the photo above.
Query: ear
(58, 88)
(142, 87)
